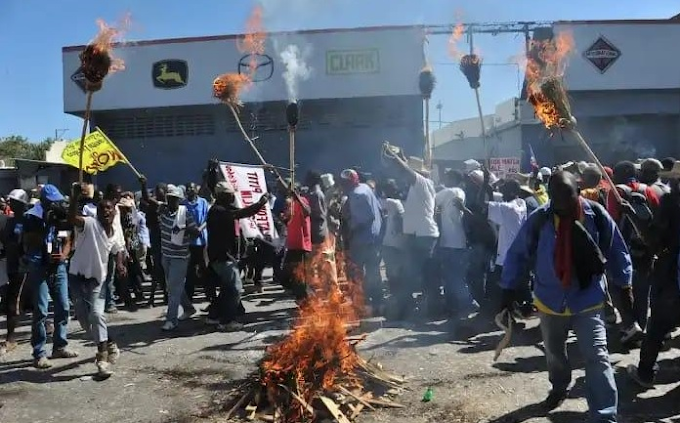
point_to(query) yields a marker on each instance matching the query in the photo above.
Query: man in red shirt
(298, 245)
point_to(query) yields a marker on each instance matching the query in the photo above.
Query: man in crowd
(198, 208)
(11, 237)
(298, 245)
(394, 242)
(421, 229)
(95, 242)
(665, 293)
(634, 225)
(452, 247)
(113, 193)
(362, 222)
(178, 229)
(318, 210)
(570, 296)
(222, 224)
(150, 206)
(47, 243)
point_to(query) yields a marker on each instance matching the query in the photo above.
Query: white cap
(19, 195)
(545, 171)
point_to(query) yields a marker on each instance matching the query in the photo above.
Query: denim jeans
(229, 299)
(365, 267)
(591, 336)
(109, 283)
(175, 277)
(48, 282)
(89, 301)
(453, 263)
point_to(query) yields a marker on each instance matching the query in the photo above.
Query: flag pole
(120, 153)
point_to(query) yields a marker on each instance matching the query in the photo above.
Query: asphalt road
(188, 377)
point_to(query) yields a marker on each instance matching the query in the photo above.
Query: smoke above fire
(296, 69)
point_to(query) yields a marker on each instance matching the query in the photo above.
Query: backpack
(601, 222)
(636, 228)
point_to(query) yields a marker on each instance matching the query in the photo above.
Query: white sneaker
(169, 326)
(187, 314)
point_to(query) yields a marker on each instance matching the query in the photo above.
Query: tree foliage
(18, 147)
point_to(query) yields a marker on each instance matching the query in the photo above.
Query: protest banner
(501, 166)
(100, 153)
(249, 183)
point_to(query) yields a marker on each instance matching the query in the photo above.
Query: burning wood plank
(334, 410)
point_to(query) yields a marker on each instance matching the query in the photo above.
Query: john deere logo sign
(343, 62)
(602, 54)
(170, 74)
(258, 67)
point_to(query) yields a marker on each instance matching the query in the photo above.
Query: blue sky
(33, 31)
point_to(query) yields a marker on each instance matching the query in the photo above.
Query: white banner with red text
(249, 183)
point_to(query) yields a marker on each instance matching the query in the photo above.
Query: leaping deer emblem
(166, 76)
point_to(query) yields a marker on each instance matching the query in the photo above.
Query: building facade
(624, 85)
(362, 89)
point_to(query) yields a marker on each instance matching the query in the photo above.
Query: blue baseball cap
(51, 193)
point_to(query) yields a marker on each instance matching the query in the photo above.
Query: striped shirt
(167, 221)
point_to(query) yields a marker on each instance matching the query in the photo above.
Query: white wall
(647, 59)
(396, 53)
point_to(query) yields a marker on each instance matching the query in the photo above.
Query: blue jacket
(548, 288)
(365, 217)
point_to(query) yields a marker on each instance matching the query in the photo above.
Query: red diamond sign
(602, 54)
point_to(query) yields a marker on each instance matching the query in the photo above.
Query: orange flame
(228, 87)
(253, 42)
(316, 355)
(456, 35)
(110, 35)
(547, 60)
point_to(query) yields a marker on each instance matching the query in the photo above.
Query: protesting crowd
(555, 243)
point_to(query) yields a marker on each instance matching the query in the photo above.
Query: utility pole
(59, 133)
(440, 106)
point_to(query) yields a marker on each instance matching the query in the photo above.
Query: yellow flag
(100, 153)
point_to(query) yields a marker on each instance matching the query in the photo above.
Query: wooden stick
(428, 145)
(252, 145)
(238, 404)
(483, 127)
(86, 121)
(594, 158)
(333, 408)
(386, 403)
(356, 397)
(299, 399)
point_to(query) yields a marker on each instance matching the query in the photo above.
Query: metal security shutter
(159, 126)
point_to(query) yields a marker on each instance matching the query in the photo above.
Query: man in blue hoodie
(559, 241)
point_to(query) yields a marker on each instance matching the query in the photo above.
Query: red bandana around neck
(563, 248)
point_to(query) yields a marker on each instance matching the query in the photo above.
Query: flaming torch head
(292, 112)
(227, 87)
(471, 66)
(95, 62)
(426, 82)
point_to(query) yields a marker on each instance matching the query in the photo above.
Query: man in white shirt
(421, 230)
(394, 242)
(509, 214)
(452, 251)
(96, 241)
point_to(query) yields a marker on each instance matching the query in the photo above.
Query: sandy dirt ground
(187, 377)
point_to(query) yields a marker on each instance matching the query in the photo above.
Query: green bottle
(429, 395)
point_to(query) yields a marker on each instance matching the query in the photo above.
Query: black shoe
(555, 399)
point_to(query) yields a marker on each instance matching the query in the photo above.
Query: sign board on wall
(501, 166)
(622, 55)
(365, 62)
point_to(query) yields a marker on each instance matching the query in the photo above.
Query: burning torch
(471, 66)
(95, 63)
(426, 82)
